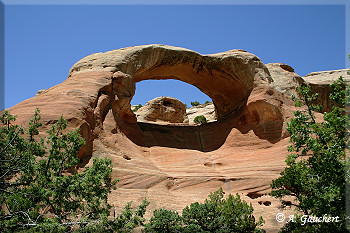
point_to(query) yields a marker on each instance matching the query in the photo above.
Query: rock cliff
(173, 164)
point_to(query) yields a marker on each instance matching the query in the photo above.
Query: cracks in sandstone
(200, 138)
(228, 186)
(226, 180)
(213, 162)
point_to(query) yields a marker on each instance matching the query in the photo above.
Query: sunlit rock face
(175, 164)
(207, 110)
(284, 78)
(163, 109)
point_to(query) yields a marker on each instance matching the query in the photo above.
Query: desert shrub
(164, 221)
(216, 214)
(195, 103)
(137, 107)
(41, 189)
(200, 119)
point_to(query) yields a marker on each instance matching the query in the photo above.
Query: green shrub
(200, 120)
(216, 214)
(41, 189)
(195, 103)
(137, 107)
(164, 221)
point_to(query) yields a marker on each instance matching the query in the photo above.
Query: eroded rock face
(163, 109)
(206, 110)
(327, 77)
(284, 78)
(173, 165)
(84, 102)
(286, 81)
(319, 82)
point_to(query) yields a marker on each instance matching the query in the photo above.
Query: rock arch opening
(228, 94)
(170, 101)
(150, 89)
(228, 78)
(207, 137)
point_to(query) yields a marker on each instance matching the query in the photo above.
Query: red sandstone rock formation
(174, 165)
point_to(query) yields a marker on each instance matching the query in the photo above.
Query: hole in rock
(267, 203)
(286, 203)
(149, 89)
(228, 94)
(167, 103)
(184, 134)
(171, 101)
(254, 195)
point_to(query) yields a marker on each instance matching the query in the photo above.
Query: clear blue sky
(43, 42)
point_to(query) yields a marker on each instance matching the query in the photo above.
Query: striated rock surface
(175, 164)
(206, 110)
(284, 78)
(327, 77)
(163, 109)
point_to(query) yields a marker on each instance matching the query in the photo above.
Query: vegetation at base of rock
(195, 103)
(164, 220)
(316, 169)
(41, 189)
(200, 119)
(137, 107)
(207, 102)
(216, 214)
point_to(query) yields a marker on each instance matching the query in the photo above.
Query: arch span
(227, 78)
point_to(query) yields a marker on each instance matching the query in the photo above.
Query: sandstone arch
(227, 78)
(102, 85)
(96, 98)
